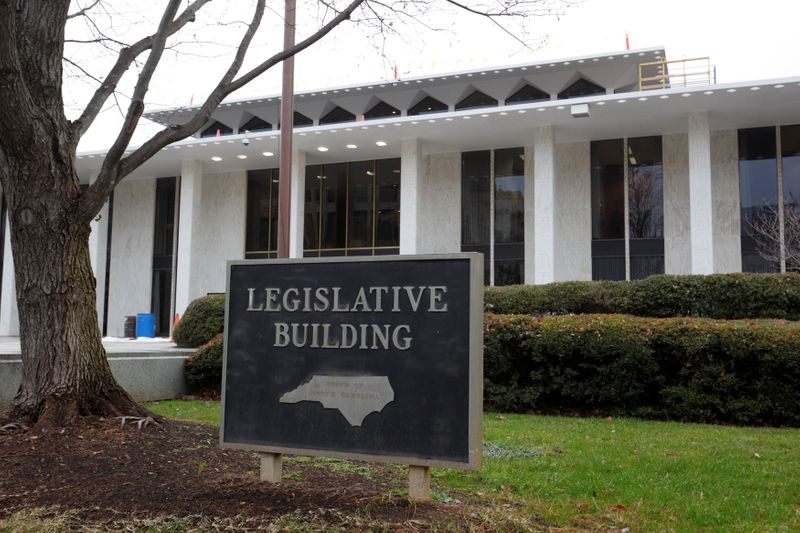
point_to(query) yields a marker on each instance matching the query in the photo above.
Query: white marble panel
(131, 275)
(677, 238)
(9, 316)
(573, 207)
(700, 195)
(725, 209)
(221, 233)
(298, 204)
(544, 204)
(410, 177)
(439, 208)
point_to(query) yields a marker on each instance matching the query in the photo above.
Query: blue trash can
(145, 325)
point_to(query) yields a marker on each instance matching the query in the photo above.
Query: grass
(646, 475)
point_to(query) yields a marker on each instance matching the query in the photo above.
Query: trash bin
(145, 325)
(129, 330)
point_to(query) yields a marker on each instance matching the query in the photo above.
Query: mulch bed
(109, 473)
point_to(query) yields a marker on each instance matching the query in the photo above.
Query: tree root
(140, 422)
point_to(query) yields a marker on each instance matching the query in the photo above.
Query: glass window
(581, 88)
(528, 93)
(255, 124)
(216, 129)
(301, 120)
(509, 216)
(476, 99)
(257, 231)
(312, 207)
(645, 188)
(337, 115)
(427, 105)
(381, 110)
(360, 204)
(334, 206)
(758, 196)
(790, 153)
(608, 193)
(387, 203)
(475, 197)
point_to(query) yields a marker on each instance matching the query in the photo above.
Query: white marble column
(410, 176)
(188, 222)
(98, 247)
(9, 316)
(544, 180)
(439, 204)
(530, 221)
(700, 200)
(297, 204)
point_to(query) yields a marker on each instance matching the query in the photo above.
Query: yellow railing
(663, 74)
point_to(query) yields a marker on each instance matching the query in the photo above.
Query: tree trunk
(65, 370)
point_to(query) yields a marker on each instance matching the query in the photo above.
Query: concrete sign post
(370, 358)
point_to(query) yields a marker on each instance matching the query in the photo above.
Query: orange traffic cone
(174, 325)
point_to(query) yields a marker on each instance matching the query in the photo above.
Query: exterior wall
(439, 204)
(221, 230)
(573, 231)
(726, 209)
(677, 236)
(131, 276)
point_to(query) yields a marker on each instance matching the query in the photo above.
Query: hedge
(203, 319)
(723, 296)
(689, 369)
(203, 369)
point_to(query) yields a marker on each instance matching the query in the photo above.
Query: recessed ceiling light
(431, 121)
(466, 118)
(241, 156)
(642, 99)
(731, 90)
(322, 148)
(267, 154)
(449, 119)
(778, 86)
(351, 146)
(214, 158)
(484, 115)
(708, 92)
(414, 122)
(560, 107)
(664, 96)
(503, 113)
(600, 103)
(686, 95)
(521, 111)
(380, 143)
(621, 101)
(755, 88)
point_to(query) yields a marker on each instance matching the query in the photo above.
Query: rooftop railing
(664, 74)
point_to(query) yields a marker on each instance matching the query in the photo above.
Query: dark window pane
(581, 88)
(608, 268)
(528, 93)
(509, 195)
(757, 179)
(387, 217)
(258, 211)
(337, 115)
(427, 105)
(312, 206)
(302, 120)
(647, 257)
(381, 110)
(645, 188)
(475, 196)
(790, 151)
(255, 124)
(608, 195)
(476, 99)
(334, 205)
(165, 217)
(161, 294)
(273, 210)
(508, 272)
(217, 128)
(360, 203)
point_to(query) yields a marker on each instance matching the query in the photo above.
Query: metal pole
(287, 123)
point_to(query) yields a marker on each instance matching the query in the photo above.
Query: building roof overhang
(658, 112)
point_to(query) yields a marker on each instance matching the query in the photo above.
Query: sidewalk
(113, 345)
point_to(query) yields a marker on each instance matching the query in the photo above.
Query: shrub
(204, 368)
(724, 296)
(692, 369)
(204, 319)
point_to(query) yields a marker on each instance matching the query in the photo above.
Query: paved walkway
(10, 346)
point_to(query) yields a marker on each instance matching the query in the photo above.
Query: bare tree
(771, 242)
(65, 371)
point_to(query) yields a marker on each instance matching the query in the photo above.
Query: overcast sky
(746, 40)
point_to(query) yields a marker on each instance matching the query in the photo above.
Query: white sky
(746, 40)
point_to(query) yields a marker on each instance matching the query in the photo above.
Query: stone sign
(373, 358)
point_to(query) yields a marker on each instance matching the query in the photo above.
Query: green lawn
(649, 476)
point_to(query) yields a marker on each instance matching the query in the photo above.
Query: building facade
(615, 166)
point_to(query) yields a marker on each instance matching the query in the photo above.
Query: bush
(204, 368)
(723, 296)
(691, 369)
(204, 319)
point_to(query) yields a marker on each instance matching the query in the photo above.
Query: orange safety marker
(174, 325)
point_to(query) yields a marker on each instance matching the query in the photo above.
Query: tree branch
(84, 10)
(126, 57)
